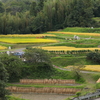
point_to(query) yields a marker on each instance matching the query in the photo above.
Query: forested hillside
(36, 16)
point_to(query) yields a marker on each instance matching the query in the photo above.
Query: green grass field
(79, 43)
(14, 98)
(81, 29)
(66, 61)
(51, 86)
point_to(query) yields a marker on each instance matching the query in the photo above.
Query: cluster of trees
(36, 61)
(35, 16)
(94, 57)
(39, 62)
(12, 68)
(3, 81)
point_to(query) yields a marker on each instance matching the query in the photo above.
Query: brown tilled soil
(41, 96)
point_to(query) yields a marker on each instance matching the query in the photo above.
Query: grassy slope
(79, 43)
(81, 29)
(51, 86)
(65, 61)
(14, 98)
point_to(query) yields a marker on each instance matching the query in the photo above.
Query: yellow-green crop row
(26, 40)
(27, 35)
(74, 33)
(65, 48)
(87, 67)
(92, 68)
(3, 47)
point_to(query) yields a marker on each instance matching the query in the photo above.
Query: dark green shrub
(94, 56)
(96, 76)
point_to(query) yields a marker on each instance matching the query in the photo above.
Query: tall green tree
(33, 10)
(36, 55)
(96, 8)
(13, 65)
(76, 70)
(1, 8)
(80, 14)
(3, 82)
(40, 5)
(39, 62)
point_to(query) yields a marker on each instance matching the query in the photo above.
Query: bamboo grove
(36, 16)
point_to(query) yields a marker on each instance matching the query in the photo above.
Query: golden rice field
(65, 48)
(3, 47)
(27, 35)
(88, 68)
(74, 33)
(26, 40)
(92, 68)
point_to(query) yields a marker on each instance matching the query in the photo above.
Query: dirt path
(41, 96)
(97, 99)
(18, 50)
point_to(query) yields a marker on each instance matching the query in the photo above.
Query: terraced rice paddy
(3, 47)
(27, 35)
(65, 48)
(92, 68)
(74, 33)
(26, 40)
(88, 68)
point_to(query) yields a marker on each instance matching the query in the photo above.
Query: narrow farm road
(31, 96)
(18, 50)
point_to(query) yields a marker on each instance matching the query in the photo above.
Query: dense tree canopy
(1, 7)
(36, 16)
(39, 62)
(94, 56)
(36, 55)
(3, 82)
(13, 65)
